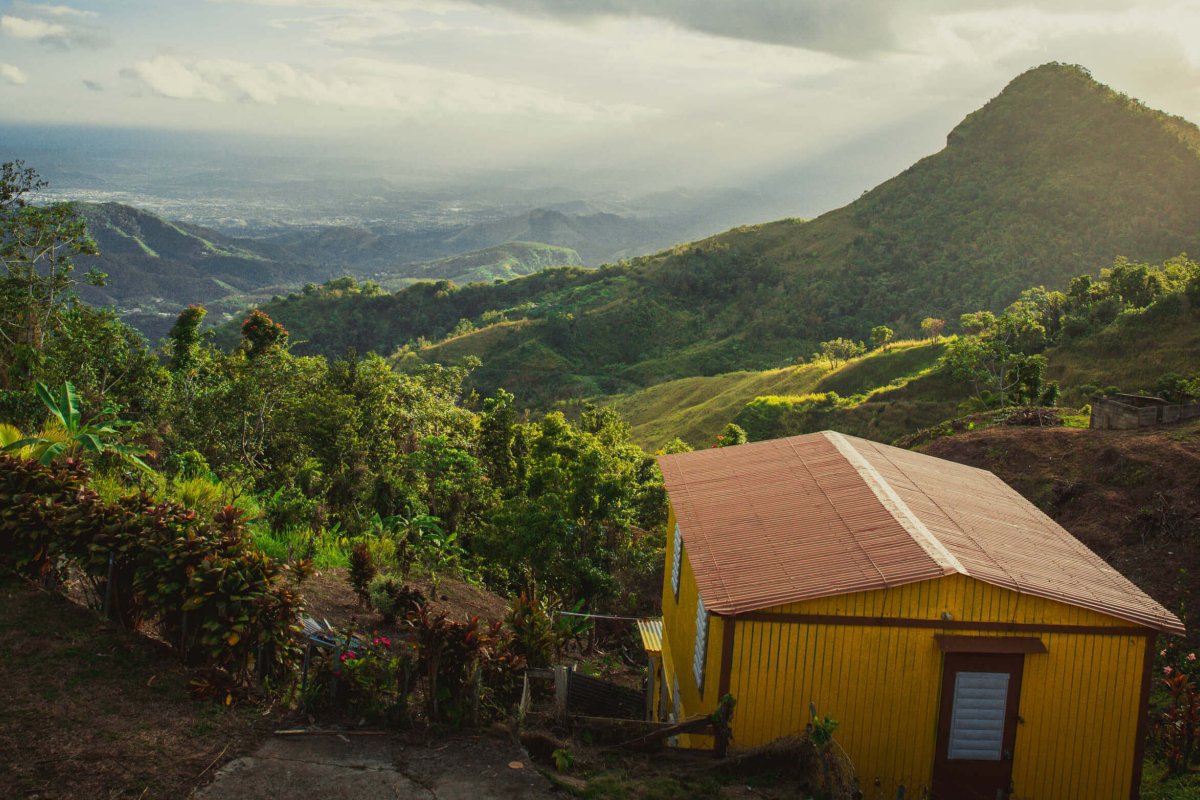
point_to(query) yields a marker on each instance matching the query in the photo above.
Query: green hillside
(1051, 178)
(503, 262)
(696, 409)
(1096, 345)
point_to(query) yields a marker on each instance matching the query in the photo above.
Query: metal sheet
(787, 520)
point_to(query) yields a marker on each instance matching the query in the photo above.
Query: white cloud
(12, 74)
(50, 10)
(21, 28)
(411, 89)
(60, 26)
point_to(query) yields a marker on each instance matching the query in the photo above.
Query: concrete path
(326, 767)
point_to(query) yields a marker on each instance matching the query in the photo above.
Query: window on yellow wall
(698, 657)
(676, 560)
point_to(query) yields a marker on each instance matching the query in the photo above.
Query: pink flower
(1163, 653)
(1167, 670)
(1191, 656)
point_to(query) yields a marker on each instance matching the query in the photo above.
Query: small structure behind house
(1129, 411)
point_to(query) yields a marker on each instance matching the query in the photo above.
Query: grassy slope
(1135, 350)
(502, 262)
(696, 409)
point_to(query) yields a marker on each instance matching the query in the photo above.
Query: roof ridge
(921, 534)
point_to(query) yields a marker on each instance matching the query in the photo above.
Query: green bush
(392, 599)
(211, 593)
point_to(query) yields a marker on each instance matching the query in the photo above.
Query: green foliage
(392, 598)
(880, 336)
(69, 434)
(563, 759)
(995, 357)
(212, 594)
(732, 435)
(38, 243)
(839, 350)
(567, 523)
(773, 417)
(932, 327)
(185, 336)
(820, 729)
(1176, 388)
(261, 334)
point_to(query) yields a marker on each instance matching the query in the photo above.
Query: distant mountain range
(156, 266)
(1055, 177)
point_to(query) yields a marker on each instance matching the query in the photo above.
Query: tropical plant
(68, 434)
(392, 598)
(1179, 724)
(362, 571)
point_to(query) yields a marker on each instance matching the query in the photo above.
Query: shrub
(212, 594)
(532, 630)
(392, 599)
(465, 664)
(362, 570)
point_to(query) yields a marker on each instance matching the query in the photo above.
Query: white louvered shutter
(701, 642)
(676, 561)
(977, 721)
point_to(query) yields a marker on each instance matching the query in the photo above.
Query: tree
(991, 357)
(840, 350)
(37, 247)
(262, 334)
(731, 435)
(932, 327)
(880, 336)
(185, 336)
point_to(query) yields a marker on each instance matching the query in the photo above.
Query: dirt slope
(1131, 496)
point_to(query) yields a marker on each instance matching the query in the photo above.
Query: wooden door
(977, 726)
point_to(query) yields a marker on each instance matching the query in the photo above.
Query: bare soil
(92, 711)
(328, 596)
(1133, 497)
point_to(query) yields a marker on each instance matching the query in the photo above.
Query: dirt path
(379, 768)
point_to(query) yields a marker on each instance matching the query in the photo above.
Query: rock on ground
(321, 766)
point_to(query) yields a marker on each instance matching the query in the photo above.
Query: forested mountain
(155, 267)
(1052, 178)
(153, 263)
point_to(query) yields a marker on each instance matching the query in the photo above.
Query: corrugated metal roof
(651, 630)
(823, 514)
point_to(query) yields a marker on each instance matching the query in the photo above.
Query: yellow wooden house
(968, 645)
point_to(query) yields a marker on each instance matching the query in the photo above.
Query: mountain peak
(1063, 105)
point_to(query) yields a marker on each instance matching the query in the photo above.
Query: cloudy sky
(680, 90)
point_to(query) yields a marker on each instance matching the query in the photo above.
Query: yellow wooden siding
(883, 683)
(679, 642)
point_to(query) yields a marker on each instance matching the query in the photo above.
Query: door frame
(943, 768)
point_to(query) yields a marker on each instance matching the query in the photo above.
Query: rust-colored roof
(824, 514)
